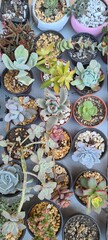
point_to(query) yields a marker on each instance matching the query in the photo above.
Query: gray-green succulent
(22, 63)
(91, 76)
(51, 7)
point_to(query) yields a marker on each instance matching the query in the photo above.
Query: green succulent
(21, 63)
(64, 45)
(95, 192)
(51, 7)
(90, 76)
(87, 110)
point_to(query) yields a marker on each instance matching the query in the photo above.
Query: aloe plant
(22, 63)
(60, 75)
(94, 191)
(53, 107)
(91, 76)
(87, 110)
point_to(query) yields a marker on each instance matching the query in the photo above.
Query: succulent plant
(51, 7)
(87, 110)
(78, 8)
(10, 178)
(61, 196)
(103, 45)
(57, 134)
(91, 76)
(17, 112)
(87, 155)
(53, 106)
(60, 75)
(21, 64)
(64, 45)
(95, 192)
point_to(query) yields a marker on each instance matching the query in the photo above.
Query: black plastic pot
(84, 62)
(91, 130)
(14, 20)
(27, 91)
(68, 173)
(17, 192)
(45, 32)
(80, 174)
(78, 217)
(6, 137)
(50, 202)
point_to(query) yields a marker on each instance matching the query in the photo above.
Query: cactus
(87, 110)
(95, 192)
(53, 106)
(87, 155)
(10, 178)
(90, 76)
(18, 113)
(21, 64)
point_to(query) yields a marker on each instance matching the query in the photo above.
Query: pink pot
(79, 27)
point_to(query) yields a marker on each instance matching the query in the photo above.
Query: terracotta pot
(74, 110)
(79, 27)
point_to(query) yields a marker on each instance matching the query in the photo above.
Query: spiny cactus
(87, 110)
(21, 64)
(91, 76)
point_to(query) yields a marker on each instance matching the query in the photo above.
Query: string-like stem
(24, 140)
(32, 174)
(23, 164)
(33, 143)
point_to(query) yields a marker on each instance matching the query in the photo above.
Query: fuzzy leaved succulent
(91, 76)
(60, 74)
(11, 178)
(95, 192)
(87, 110)
(17, 112)
(53, 106)
(23, 63)
(87, 155)
(51, 7)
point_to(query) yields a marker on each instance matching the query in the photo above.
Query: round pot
(79, 27)
(91, 130)
(58, 25)
(17, 192)
(85, 62)
(80, 174)
(27, 142)
(68, 172)
(16, 21)
(27, 91)
(56, 33)
(86, 97)
(74, 220)
(49, 202)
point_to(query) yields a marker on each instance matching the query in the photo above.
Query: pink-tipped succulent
(61, 196)
(57, 134)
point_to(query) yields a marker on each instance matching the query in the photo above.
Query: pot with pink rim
(93, 29)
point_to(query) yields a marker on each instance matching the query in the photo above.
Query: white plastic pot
(57, 26)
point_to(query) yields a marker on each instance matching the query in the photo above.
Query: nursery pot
(72, 223)
(98, 99)
(79, 27)
(91, 130)
(80, 174)
(58, 25)
(14, 19)
(49, 202)
(68, 173)
(85, 62)
(27, 91)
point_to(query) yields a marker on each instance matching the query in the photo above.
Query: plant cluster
(51, 7)
(87, 110)
(76, 10)
(103, 45)
(91, 76)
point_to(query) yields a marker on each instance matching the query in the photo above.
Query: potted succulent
(17, 11)
(54, 110)
(89, 16)
(81, 226)
(17, 78)
(44, 220)
(11, 179)
(88, 80)
(83, 49)
(91, 190)
(89, 146)
(14, 35)
(89, 111)
(62, 138)
(103, 45)
(21, 110)
(50, 15)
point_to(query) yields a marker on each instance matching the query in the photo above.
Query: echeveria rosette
(87, 155)
(10, 179)
(87, 110)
